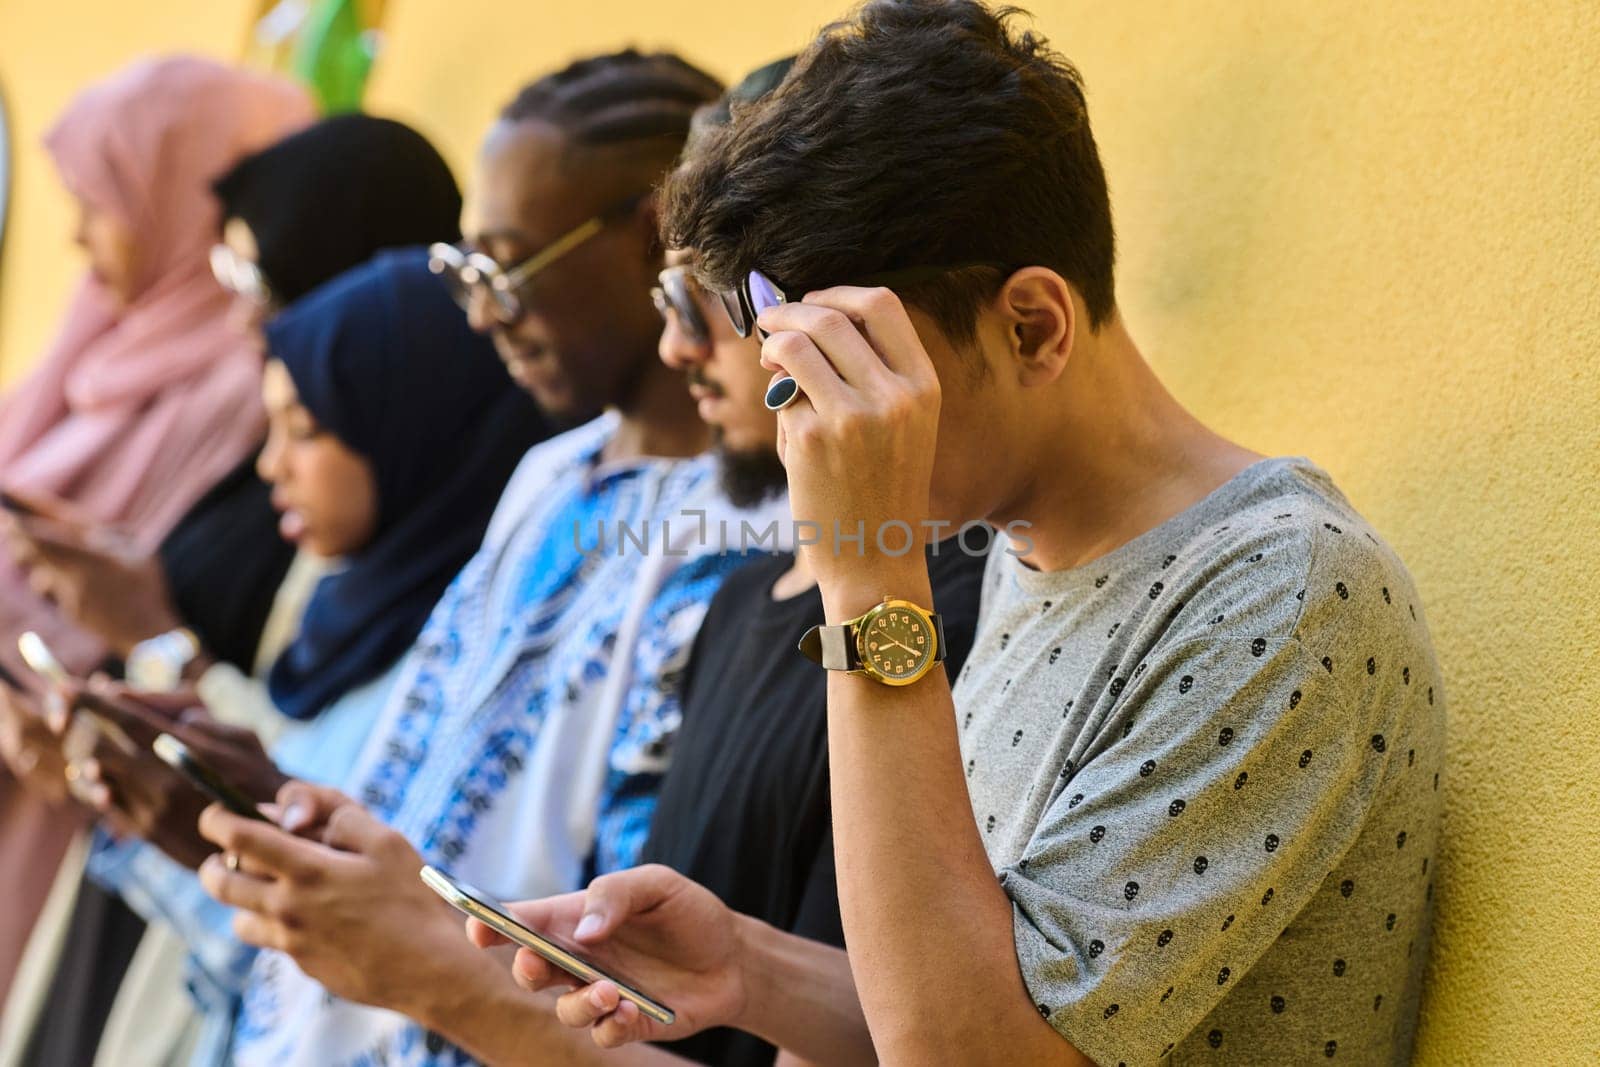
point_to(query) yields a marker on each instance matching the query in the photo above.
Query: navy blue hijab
(384, 360)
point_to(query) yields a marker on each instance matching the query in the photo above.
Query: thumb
(305, 805)
(612, 899)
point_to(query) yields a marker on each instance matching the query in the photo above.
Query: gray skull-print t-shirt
(1206, 769)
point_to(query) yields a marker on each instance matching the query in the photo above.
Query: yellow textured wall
(48, 50)
(1365, 232)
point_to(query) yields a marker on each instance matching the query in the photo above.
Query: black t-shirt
(745, 809)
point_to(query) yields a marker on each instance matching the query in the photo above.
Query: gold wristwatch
(895, 643)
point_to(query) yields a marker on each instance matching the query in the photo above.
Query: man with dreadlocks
(524, 741)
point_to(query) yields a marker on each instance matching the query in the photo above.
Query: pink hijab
(136, 411)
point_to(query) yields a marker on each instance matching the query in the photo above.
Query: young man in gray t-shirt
(1205, 766)
(1184, 805)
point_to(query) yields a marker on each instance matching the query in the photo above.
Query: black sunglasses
(675, 296)
(756, 292)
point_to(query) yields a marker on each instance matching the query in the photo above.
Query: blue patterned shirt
(527, 735)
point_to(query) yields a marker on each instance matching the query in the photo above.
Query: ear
(1041, 318)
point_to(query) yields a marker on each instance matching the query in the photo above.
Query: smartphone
(43, 662)
(493, 914)
(37, 655)
(181, 758)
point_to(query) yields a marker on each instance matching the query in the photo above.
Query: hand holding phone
(43, 662)
(484, 908)
(99, 577)
(206, 779)
(29, 748)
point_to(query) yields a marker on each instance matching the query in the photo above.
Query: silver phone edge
(440, 883)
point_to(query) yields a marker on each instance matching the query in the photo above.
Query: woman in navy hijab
(392, 430)
(382, 365)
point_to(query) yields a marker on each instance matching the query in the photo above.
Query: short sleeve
(1187, 840)
(957, 581)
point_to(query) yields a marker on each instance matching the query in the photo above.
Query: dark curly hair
(914, 133)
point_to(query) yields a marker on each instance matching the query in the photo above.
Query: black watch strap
(832, 646)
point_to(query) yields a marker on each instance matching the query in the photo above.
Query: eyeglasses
(675, 295)
(756, 292)
(466, 270)
(239, 276)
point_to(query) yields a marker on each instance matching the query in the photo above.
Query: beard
(750, 478)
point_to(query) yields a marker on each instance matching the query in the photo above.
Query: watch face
(897, 643)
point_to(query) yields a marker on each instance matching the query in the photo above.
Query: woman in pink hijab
(150, 393)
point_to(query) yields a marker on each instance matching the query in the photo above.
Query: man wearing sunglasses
(744, 810)
(1183, 801)
(526, 731)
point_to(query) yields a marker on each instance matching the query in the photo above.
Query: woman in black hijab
(325, 199)
(313, 205)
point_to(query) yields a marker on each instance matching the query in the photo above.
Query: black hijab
(325, 199)
(319, 202)
(384, 360)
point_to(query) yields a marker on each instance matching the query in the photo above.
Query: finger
(261, 931)
(352, 828)
(42, 580)
(125, 713)
(58, 713)
(236, 888)
(612, 899)
(174, 705)
(882, 317)
(484, 936)
(32, 503)
(558, 914)
(624, 1026)
(535, 973)
(836, 337)
(24, 553)
(306, 805)
(268, 849)
(81, 737)
(798, 425)
(584, 1007)
(796, 354)
(108, 764)
(233, 751)
(101, 797)
(57, 543)
(199, 722)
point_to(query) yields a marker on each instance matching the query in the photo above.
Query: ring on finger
(73, 772)
(781, 393)
(230, 860)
